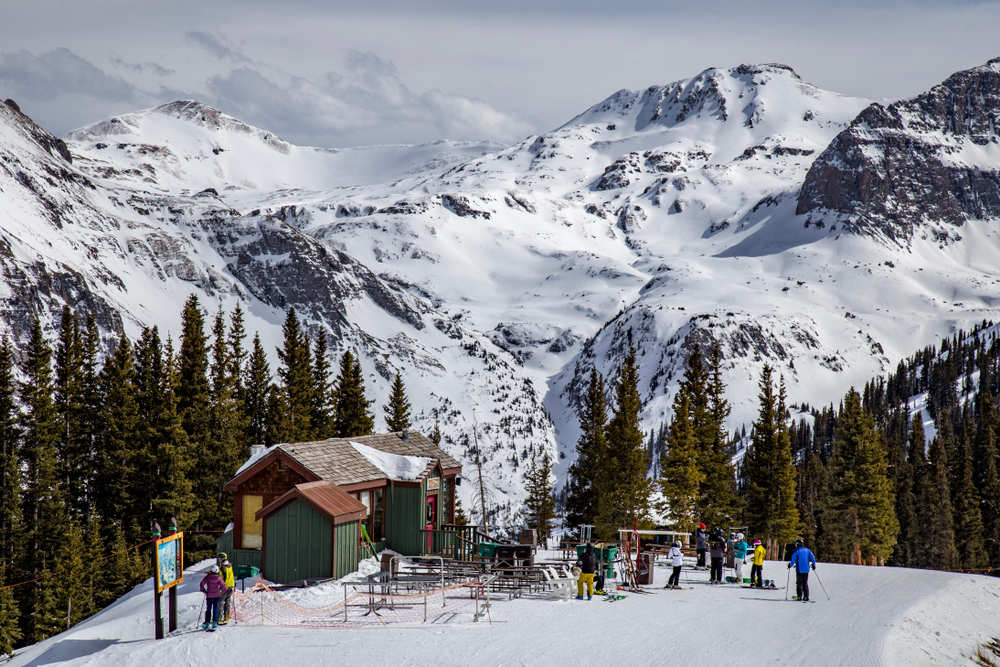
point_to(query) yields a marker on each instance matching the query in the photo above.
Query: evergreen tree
(934, 512)
(69, 401)
(540, 504)
(460, 517)
(42, 500)
(770, 477)
(47, 615)
(236, 353)
(322, 420)
(92, 571)
(968, 522)
(123, 570)
(680, 475)
(258, 383)
(623, 489)
(10, 465)
(352, 415)
(436, 433)
(10, 630)
(581, 499)
(117, 495)
(861, 500)
(987, 475)
(397, 410)
(719, 502)
(73, 596)
(296, 377)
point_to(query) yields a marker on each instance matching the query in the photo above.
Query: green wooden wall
(345, 549)
(404, 508)
(297, 544)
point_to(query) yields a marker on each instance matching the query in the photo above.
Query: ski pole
(787, 579)
(821, 584)
(197, 620)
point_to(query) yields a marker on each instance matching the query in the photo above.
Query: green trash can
(487, 549)
(605, 558)
(245, 571)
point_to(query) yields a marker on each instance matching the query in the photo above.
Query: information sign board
(169, 561)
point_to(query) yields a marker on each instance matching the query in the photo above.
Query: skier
(739, 556)
(676, 560)
(802, 558)
(212, 586)
(757, 571)
(718, 553)
(588, 565)
(701, 538)
(226, 601)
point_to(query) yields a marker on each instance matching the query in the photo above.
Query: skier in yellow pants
(588, 565)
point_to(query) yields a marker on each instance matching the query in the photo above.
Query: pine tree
(93, 579)
(42, 501)
(934, 512)
(623, 489)
(770, 477)
(540, 504)
(988, 475)
(118, 464)
(296, 377)
(861, 498)
(69, 389)
(436, 433)
(680, 475)
(10, 630)
(322, 420)
(460, 517)
(581, 499)
(236, 353)
(719, 502)
(352, 415)
(258, 383)
(120, 571)
(397, 410)
(10, 465)
(73, 596)
(968, 522)
(47, 615)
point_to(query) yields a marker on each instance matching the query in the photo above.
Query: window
(252, 529)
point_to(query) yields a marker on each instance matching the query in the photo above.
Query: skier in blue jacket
(802, 558)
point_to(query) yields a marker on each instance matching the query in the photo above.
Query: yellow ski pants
(585, 579)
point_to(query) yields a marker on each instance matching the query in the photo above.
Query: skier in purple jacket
(212, 586)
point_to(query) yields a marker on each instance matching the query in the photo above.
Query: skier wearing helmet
(739, 556)
(757, 571)
(676, 560)
(718, 554)
(802, 558)
(212, 586)
(700, 543)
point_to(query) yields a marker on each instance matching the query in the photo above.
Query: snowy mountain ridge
(493, 277)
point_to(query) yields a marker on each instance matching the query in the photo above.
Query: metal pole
(157, 612)
(172, 609)
(787, 579)
(345, 604)
(821, 585)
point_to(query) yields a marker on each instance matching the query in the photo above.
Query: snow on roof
(254, 458)
(397, 467)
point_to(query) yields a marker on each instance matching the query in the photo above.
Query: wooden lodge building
(298, 507)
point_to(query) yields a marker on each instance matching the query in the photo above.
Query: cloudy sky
(337, 73)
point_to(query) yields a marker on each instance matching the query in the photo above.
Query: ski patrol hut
(402, 482)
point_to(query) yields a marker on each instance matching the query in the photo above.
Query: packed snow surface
(397, 467)
(875, 616)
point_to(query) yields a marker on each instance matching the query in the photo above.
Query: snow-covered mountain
(719, 208)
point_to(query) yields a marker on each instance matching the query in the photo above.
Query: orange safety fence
(356, 606)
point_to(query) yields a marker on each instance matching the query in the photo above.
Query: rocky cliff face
(918, 166)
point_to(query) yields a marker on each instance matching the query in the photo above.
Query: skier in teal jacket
(802, 559)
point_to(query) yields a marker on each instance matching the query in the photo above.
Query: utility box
(515, 555)
(645, 575)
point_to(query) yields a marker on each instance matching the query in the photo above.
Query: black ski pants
(716, 569)
(756, 578)
(701, 558)
(802, 584)
(675, 578)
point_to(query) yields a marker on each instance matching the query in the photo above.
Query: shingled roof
(324, 496)
(335, 460)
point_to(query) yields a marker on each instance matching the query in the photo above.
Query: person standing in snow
(757, 571)
(739, 556)
(226, 601)
(676, 560)
(700, 541)
(718, 554)
(212, 586)
(588, 565)
(802, 558)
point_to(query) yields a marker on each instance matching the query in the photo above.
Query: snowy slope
(875, 616)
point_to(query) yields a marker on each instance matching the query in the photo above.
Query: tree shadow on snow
(71, 649)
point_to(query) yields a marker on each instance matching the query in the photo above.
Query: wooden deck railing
(456, 542)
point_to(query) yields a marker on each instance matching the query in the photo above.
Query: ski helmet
(589, 548)
(677, 544)
(221, 556)
(798, 543)
(756, 543)
(214, 569)
(739, 536)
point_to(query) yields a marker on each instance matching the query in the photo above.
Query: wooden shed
(311, 532)
(405, 482)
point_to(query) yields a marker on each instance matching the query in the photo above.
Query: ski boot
(579, 597)
(204, 626)
(215, 626)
